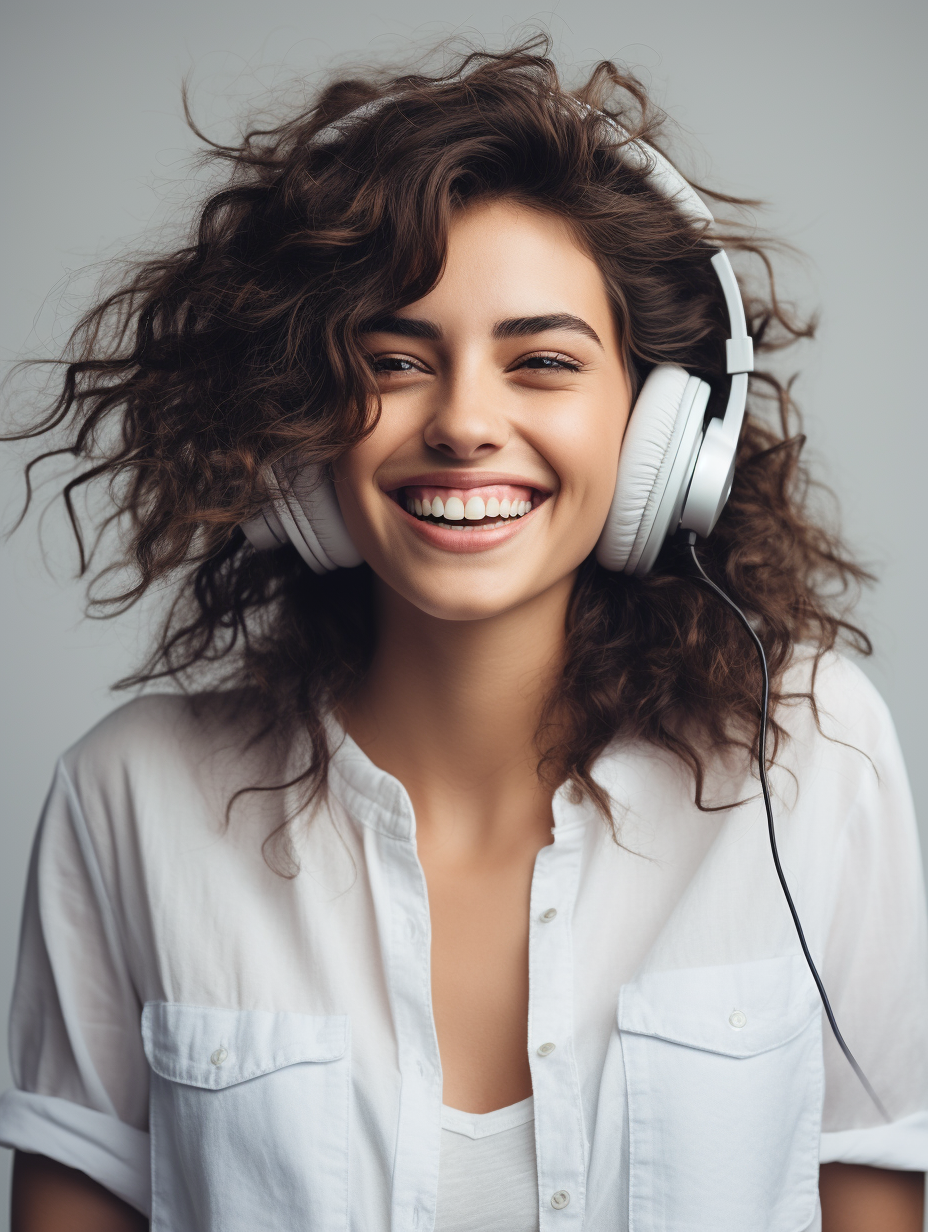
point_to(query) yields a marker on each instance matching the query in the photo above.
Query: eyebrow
(405, 327)
(514, 327)
(523, 327)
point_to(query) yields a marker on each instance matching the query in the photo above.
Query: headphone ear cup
(305, 512)
(265, 531)
(655, 466)
(322, 523)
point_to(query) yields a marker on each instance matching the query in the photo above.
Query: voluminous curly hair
(243, 348)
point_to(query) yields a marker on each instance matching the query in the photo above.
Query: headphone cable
(771, 830)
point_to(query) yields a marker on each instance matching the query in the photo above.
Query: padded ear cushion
(318, 502)
(642, 465)
(308, 510)
(665, 504)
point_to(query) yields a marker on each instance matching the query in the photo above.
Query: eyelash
(379, 362)
(561, 362)
(558, 364)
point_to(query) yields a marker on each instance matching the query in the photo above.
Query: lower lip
(464, 541)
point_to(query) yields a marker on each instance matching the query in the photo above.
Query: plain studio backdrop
(817, 108)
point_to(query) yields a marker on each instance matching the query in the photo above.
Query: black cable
(771, 830)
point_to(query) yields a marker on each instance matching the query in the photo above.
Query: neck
(451, 709)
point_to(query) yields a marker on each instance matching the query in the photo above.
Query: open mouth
(469, 509)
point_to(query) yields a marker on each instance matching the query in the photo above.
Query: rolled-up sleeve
(901, 1144)
(81, 1079)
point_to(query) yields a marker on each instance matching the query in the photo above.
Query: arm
(79, 1068)
(49, 1197)
(859, 1199)
(875, 956)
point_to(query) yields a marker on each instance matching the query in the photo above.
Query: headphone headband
(709, 482)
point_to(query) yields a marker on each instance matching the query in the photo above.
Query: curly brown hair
(243, 348)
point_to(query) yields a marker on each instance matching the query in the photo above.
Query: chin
(470, 595)
(461, 604)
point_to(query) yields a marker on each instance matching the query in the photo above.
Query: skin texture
(470, 641)
(48, 1197)
(857, 1199)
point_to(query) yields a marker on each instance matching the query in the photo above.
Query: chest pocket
(249, 1120)
(724, 1073)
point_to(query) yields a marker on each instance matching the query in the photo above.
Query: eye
(549, 363)
(394, 363)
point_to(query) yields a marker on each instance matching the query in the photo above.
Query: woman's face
(490, 472)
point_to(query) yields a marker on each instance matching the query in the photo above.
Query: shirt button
(547, 916)
(218, 1056)
(560, 1199)
(737, 1019)
(546, 1049)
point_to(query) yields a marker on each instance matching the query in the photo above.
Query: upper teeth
(454, 509)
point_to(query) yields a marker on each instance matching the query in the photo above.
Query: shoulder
(841, 758)
(133, 725)
(828, 711)
(159, 726)
(829, 698)
(166, 751)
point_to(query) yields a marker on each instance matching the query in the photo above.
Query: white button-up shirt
(236, 1050)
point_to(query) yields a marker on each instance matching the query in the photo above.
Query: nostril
(476, 451)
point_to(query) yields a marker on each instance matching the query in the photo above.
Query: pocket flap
(215, 1048)
(739, 1010)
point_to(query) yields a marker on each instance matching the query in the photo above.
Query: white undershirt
(487, 1180)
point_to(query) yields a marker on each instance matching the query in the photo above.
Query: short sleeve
(81, 1079)
(876, 955)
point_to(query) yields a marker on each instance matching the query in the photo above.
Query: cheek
(587, 461)
(355, 472)
(355, 469)
(397, 431)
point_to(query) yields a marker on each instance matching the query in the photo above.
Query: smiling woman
(514, 957)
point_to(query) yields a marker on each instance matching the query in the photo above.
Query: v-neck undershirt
(488, 1179)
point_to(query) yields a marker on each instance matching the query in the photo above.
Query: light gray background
(817, 107)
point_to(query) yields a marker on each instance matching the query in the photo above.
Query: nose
(467, 421)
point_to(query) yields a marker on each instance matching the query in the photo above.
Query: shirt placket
(559, 1132)
(401, 904)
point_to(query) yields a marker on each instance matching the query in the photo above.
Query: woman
(444, 900)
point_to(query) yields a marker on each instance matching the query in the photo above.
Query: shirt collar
(370, 795)
(376, 799)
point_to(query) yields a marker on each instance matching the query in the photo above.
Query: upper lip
(465, 479)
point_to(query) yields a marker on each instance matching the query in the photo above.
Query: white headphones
(675, 471)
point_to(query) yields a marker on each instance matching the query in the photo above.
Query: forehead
(505, 259)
